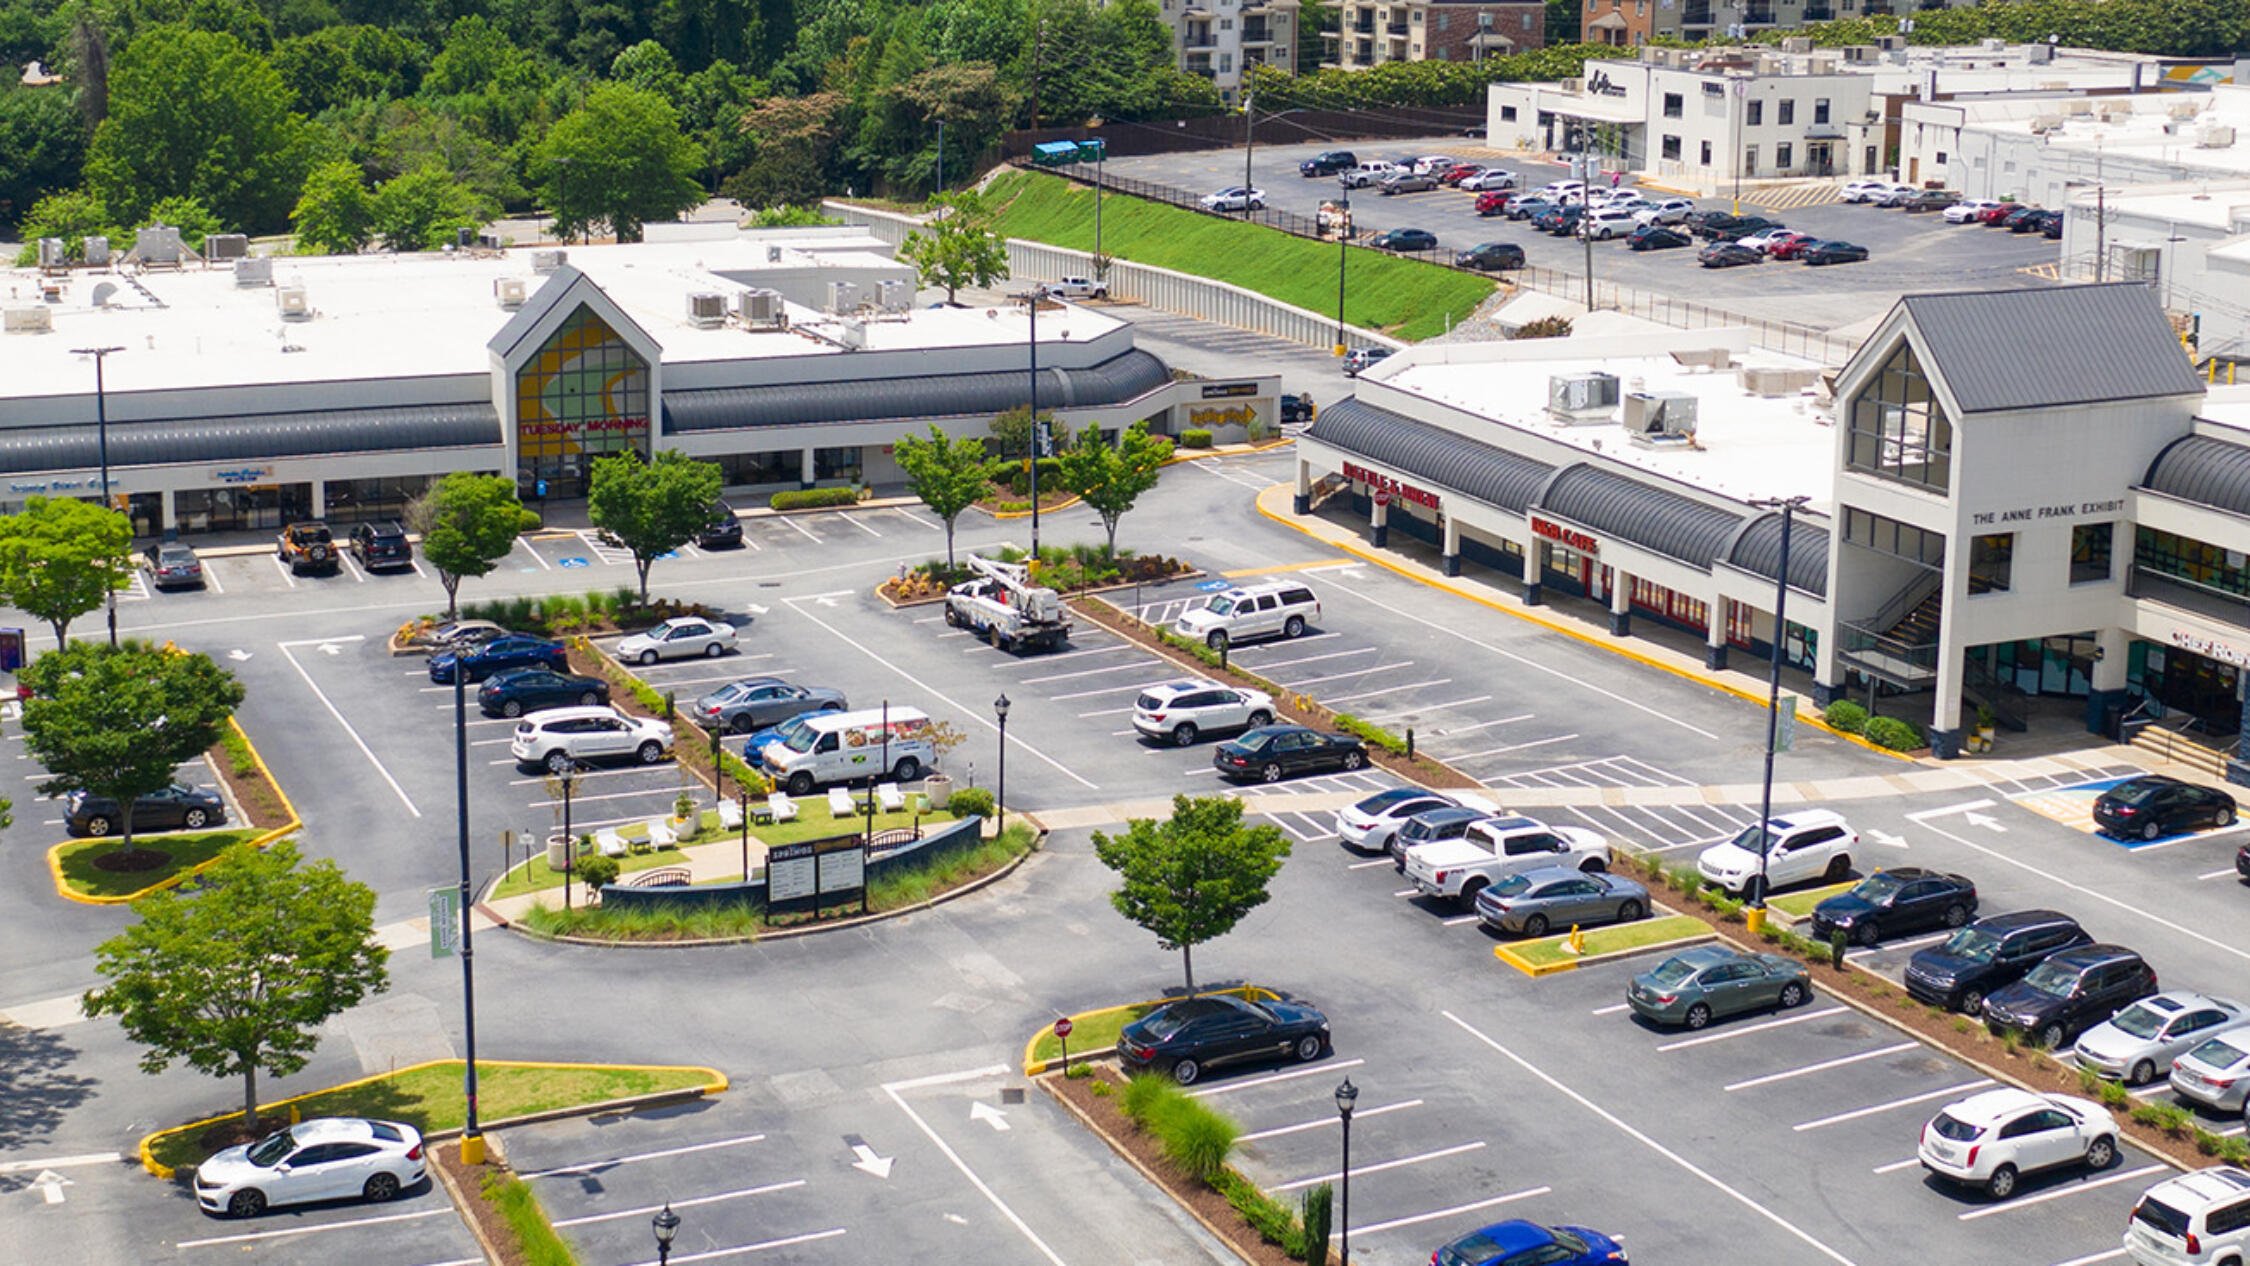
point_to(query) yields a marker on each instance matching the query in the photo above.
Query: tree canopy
(468, 523)
(1108, 477)
(1191, 877)
(948, 474)
(61, 558)
(957, 246)
(651, 507)
(619, 159)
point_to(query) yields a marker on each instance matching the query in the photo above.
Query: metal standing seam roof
(255, 437)
(2204, 470)
(1489, 474)
(1757, 549)
(1118, 379)
(2002, 350)
(1654, 518)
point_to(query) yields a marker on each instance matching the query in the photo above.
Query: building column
(1945, 719)
(1449, 558)
(1379, 522)
(2238, 764)
(1302, 502)
(320, 498)
(170, 514)
(1715, 641)
(1534, 567)
(1620, 604)
(2113, 650)
(805, 468)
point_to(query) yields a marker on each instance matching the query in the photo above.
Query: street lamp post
(940, 159)
(101, 441)
(666, 1224)
(742, 793)
(1249, 152)
(1788, 507)
(1031, 300)
(1000, 801)
(1343, 253)
(1347, 1094)
(472, 1137)
(568, 776)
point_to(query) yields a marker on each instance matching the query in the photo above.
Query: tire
(97, 825)
(1308, 1048)
(1698, 1016)
(1840, 868)
(2140, 1074)
(1868, 936)
(1956, 916)
(1271, 773)
(246, 1203)
(2051, 1037)
(1753, 889)
(2002, 1184)
(741, 724)
(647, 658)
(1217, 640)
(1630, 912)
(2224, 817)
(649, 752)
(2101, 1153)
(952, 617)
(1260, 720)
(1535, 925)
(713, 651)
(1972, 1002)
(379, 1188)
(906, 769)
(1354, 759)
(1186, 1072)
(2151, 830)
(589, 699)
(1593, 866)
(1183, 734)
(800, 784)
(194, 819)
(1293, 627)
(557, 761)
(1471, 888)
(992, 635)
(511, 709)
(1792, 995)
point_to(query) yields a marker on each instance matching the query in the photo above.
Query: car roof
(2094, 955)
(2016, 920)
(1994, 1105)
(1181, 687)
(1516, 822)
(1803, 818)
(1549, 874)
(551, 715)
(1449, 813)
(328, 1129)
(2204, 1186)
(752, 681)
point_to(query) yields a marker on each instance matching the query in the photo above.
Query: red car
(1994, 215)
(1455, 175)
(1492, 202)
(1790, 247)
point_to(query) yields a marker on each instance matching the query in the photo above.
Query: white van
(847, 746)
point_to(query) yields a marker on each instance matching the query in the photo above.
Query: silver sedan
(1531, 903)
(2138, 1044)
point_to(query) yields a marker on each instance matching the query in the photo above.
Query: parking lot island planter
(927, 583)
(1551, 954)
(1794, 908)
(1093, 1034)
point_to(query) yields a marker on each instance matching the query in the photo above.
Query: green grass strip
(1608, 940)
(1402, 297)
(181, 851)
(1800, 904)
(520, 1209)
(813, 823)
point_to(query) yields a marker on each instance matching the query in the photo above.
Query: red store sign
(1381, 483)
(1570, 537)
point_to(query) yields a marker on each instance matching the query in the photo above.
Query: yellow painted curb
(718, 1083)
(1822, 893)
(1578, 635)
(1056, 508)
(1533, 969)
(1505, 953)
(1199, 454)
(1032, 1067)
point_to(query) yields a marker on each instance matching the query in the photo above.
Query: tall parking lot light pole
(101, 441)
(1343, 253)
(1249, 152)
(472, 1137)
(1000, 801)
(568, 776)
(1346, 1095)
(1788, 507)
(1031, 300)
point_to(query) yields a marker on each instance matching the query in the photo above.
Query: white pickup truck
(1078, 288)
(1460, 869)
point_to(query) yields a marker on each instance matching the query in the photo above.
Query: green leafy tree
(794, 143)
(72, 215)
(238, 978)
(335, 64)
(468, 523)
(619, 159)
(334, 215)
(652, 507)
(118, 721)
(1111, 477)
(1191, 877)
(948, 474)
(60, 558)
(420, 210)
(42, 144)
(957, 246)
(649, 66)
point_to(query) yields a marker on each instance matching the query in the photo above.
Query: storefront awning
(1757, 550)
(1653, 518)
(1489, 474)
(186, 441)
(2206, 471)
(1114, 381)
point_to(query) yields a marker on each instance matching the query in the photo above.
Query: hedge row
(813, 498)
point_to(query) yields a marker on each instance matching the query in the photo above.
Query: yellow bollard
(472, 1149)
(1577, 940)
(296, 1116)
(1754, 918)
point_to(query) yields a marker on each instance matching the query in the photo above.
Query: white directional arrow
(880, 1166)
(1989, 824)
(985, 1112)
(1886, 839)
(756, 609)
(330, 648)
(238, 655)
(49, 1184)
(825, 601)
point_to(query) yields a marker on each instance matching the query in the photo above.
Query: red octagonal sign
(1062, 1027)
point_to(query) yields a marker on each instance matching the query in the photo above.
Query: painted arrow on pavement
(985, 1112)
(1988, 823)
(49, 1185)
(868, 1161)
(238, 655)
(1886, 839)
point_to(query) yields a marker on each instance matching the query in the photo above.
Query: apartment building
(1222, 39)
(1632, 23)
(1372, 32)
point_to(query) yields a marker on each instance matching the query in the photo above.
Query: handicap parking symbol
(668, 556)
(1212, 586)
(571, 562)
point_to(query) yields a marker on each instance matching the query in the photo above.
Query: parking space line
(544, 565)
(1262, 669)
(853, 519)
(1092, 672)
(2059, 1192)
(606, 1162)
(98, 1158)
(1824, 1065)
(1088, 694)
(283, 568)
(1784, 1022)
(361, 743)
(583, 773)
(1395, 1223)
(1321, 1122)
(739, 1249)
(1380, 861)
(892, 1090)
(1895, 1166)
(1390, 690)
(1324, 1067)
(799, 528)
(1106, 712)
(1481, 725)
(918, 520)
(1356, 672)
(682, 1204)
(252, 1236)
(1427, 707)
(352, 567)
(1613, 1008)
(1515, 747)
(1380, 1166)
(1045, 660)
(2089, 1260)
(1907, 1102)
(2220, 874)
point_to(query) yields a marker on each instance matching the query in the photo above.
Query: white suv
(1182, 710)
(1991, 1140)
(1668, 211)
(559, 737)
(1236, 615)
(1368, 173)
(1606, 223)
(1813, 844)
(2197, 1218)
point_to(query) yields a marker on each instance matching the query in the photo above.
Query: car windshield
(271, 1150)
(1670, 972)
(788, 730)
(2162, 1216)
(1220, 606)
(1382, 800)
(1973, 944)
(1512, 886)
(2052, 978)
(1946, 1127)
(1877, 888)
(2138, 1020)
(802, 740)
(2222, 1051)
(1753, 839)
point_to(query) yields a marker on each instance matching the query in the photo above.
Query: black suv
(2069, 993)
(1989, 955)
(1491, 256)
(1328, 164)
(724, 531)
(380, 545)
(1296, 408)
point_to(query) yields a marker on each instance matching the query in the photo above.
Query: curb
(1035, 1067)
(1145, 1172)
(1825, 891)
(1056, 508)
(461, 1205)
(1193, 573)
(1504, 954)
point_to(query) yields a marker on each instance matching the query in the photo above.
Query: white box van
(846, 746)
(1237, 615)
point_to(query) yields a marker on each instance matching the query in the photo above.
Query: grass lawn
(813, 823)
(184, 851)
(429, 1097)
(1406, 298)
(1094, 1030)
(1608, 940)
(1799, 905)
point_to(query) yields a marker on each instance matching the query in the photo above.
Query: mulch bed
(691, 743)
(260, 800)
(131, 861)
(1002, 501)
(468, 1180)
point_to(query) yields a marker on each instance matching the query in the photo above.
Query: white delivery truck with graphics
(849, 746)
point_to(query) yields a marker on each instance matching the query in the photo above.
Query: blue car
(754, 747)
(512, 650)
(1520, 1243)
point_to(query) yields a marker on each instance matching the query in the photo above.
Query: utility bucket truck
(1003, 606)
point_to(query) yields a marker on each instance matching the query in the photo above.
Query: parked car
(1859, 190)
(1996, 213)
(1895, 900)
(1564, 190)
(1822, 253)
(2068, 993)
(171, 565)
(1328, 163)
(1360, 359)
(742, 706)
(1454, 175)
(1521, 1243)
(460, 633)
(2242, 861)
(2051, 228)
(2192, 1219)
(1182, 711)
(177, 807)
(1404, 240)
(1968, 210)
(1295, 407)
(1603, 223)
(1698, 985)
(754, 747)
(1490, 180)
(1442, 825)
(1562, 221)
(1624, 200)
(1930, 200)
(2137, 1045)
(1665, 211)
(509, 650)
(1534, 902)
(1743, 226)
(1792, 246)
(1493, 202)
(680, 637)
(2216, 1073)
(1727, 255)
(1234, 198)
(1656, 237)
(1992, 1139)
(1898, 195)
(521, 690)
(2152, 806)
(1807, 845)
(1361, 175)
(308, 547)
(1490, 847)
(1285, 608)
(1491, 256)
(1407, 182)
(2023, 219)
(1370, 823)
(381, 545)
(561, 737)
(1186, 1037)
(1764, 240)
(1530, 206)
(1432, 164)
(722, 531)
(327, 1158)
(1989, 954)
(1279, 751)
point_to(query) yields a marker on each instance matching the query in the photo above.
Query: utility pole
(1788, 507)
(1249, 151)
(940, 157)
(1586, 221)
(101, 433)
(472, 1135)
(2101, 217)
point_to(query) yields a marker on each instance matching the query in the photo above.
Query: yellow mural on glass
(583, 395)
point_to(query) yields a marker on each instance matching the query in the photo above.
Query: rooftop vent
(761, 310)
(1797, 44)
(1661, 417)
(508, 292)
(544, 262)
(27, 321)
(1582, 397)
(1772, 382)
(1704, 358)
(1858, 54)
(226, 246)
(843, 297)
(53, 253)
(293, 303)
(853, 336)
(707, 309)
(253, 272)
(2182, 110)
(2215, 136)
(773, 252)
(898, 296)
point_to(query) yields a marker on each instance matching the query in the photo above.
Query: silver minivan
(1280, 608)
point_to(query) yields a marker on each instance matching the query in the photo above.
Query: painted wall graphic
(585, 395)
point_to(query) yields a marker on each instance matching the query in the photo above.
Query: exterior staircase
(2168, 744)
(1919, 626)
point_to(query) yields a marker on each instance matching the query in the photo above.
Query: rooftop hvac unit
(1797, 44)
(707, 309)
(2078, 108)
(1823, 65)
(158, 244)
(293, 303)
(2046, 123)
(1772, 382)
(1582, 397)
(843, 297)
(2215, 136)
(2040, 54)
(464, 237)
(853, 336)
(253, 272)
(27, 321)
(773, 252)
(1858, 54)
(2182, 110)
(1656, 417)
(1993, 46)
(1891, 43)
(898, 296)
(53, 253)
(544, 262)
(761, 309)
(508, 292)
(226, 246)
(97, 251)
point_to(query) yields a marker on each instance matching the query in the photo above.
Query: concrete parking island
(1550, 954)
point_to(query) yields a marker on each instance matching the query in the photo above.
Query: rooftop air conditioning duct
(761, 309)
(843, 297)
(53, 253)
(543, 262)
(253, 272)
(707, 309)
(508, 292)
(293, 303)
(226, 246)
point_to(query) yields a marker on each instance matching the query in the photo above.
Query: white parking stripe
(98, 1158)
(1395, 1223)
(352, 567)
(2220, 874)
(682, 1204)
(1613, 1008)
(1380, 1166)
(918, 520)
(311, 1230)
(606, 1162)
(2059, 1192)
(1824, 1066)
(1357, 672)
(738, 1250)
(582, 774)
(1427, 707)
(989, 1194)
(1784, 1022)
(1105, 690)
(853, 519)
(1263, 669)
(1045, 660)
(1483, 725)
(1516, 747)
(283, 568)
(799, 528)
(1907, 1102)
(1134, 665)
(1289, 827)
(1895, 1166)
(1380, 861)
(1325, 1066)
(544, 565)
(2089, 1260)
(353, 734)
(1321, 1122)
(1391, 690)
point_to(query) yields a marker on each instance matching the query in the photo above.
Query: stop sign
(1382, 498)
(1062, 1027)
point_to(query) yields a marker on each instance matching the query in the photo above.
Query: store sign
(591, 426)
(28, 486)
(2209, 649)
(2065, 510)
(242, 474)
(1234, 415)
(792, 872)
(1379, 482)
(1228, 390)
(1565, 536)
(1600, 84)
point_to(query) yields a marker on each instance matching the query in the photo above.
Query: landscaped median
(1797, 907)
(1550, 954)
(1093, 1034)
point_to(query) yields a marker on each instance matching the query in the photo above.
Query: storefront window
(1898, 430)
(2182, 558)
(1889, 536)
(242, 509)
(364, 500)
(2089, 552)
(582, 397)
(743, 469)
(836, 463)
(1991, 560)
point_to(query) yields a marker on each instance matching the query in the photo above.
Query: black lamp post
(1788, 507)
(472, 1135)
(742, 794)
(568, 776)
(1000, 802)
(101, 440)
(666, 1224)
(1346, 1095)
(1343, 253)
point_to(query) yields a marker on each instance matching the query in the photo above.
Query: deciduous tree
(957, 246)
(1111, 477)
(948, 474)
(468, 523)
(619, 159)
(60, 558)
(420, 210)
(1191, 877)
(652, 507)
(334, 215)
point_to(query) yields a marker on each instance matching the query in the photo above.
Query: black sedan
(2022, 219)
(510, 650)
(175, 807)
(1901, 899)
(1186, 1037)
(1278, 751)
(1491, 256)
(172, 565)
(1833, 253)
(2242, 867)
(1295, 408)
(2153, 806)
(724, 531)
(1656, 237)
(1404, 240)
(520, 690)
(1728, 255)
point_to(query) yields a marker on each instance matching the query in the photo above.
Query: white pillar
(1715, 635)
(1620, 603)
(1379, 522)
(1534, 564)
(1449, 560)
(169, 515)
(320, 498)
(1302, 503)
(806, 468)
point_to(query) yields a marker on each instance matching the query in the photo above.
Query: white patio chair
(730, 815)
(840, 803)
(890, 798)
(660, 835)
(610, 842)
(781, 807)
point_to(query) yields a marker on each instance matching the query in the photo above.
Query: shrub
(1272, 1220)
(1846, 716)
(597, 870)
(1197, 438)
(1079, 1072)
(1318, 1213)
(1961, 1024)
(1196, 1138)
(1689, 882)
(812, 498)
(1893, 733)
(1372, 735)
(967, 801)
(1143, 1093)
(1545, 327)
(1100, 1090)
(1818, 954)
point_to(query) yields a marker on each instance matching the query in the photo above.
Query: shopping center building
(248, 393)
(2008, 495)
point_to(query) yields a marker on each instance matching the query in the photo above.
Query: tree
(948, 474)
(795, 144)
(60, 558)
(620, 159)
(239, 977)
(42, 144)
(652, 507)
(72, 215)
(957, 247)
(1192, 877)
(118, 721)
(468, 523)
(1111, 477)
(419, 210)
(334, 215)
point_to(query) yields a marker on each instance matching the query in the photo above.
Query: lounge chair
(610, 842)
(781, 807)
(660, 835)
(840, 803)
(890, 798)
(730, 815)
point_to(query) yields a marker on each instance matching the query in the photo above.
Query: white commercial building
(2044, 148)
(1222, 39)
(2190, 242)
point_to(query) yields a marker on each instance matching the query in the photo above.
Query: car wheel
(1354, 759)
(649, 752)
(1593, 866)
(1753, 889)
(1698, 1016)
(2101, 1153)
(1295, 627)
(2150, 830)
(1260, 720)
(1867, 934)
(589, 699)
(714, 650)
(2224, 817)
(1471, 888)
(2002, 1184)
(1271, 773)
(511, 709)
(800, 784)
(952, 618)
(557, 761)
(1956, 916)
(1840, 867)
(1308, 1048)
(246, 1203)
(1186, 1071)
(194, 819)
(2140, 1074)
(97, 825)
(741, 724)
(1792, 995)
(2051, 1037)
(379, 1188)
(1972, 1002)
(1535, 925)
(1183, 733)
(647, 658)
(1217, 641)
(906, 769)
(1629, 912)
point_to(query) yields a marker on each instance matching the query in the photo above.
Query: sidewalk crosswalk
(1795, 194)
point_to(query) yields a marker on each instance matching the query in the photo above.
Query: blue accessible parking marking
(2074, 806)
(1213, 586)
(571, 562)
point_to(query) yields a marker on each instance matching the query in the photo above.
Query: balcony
(1759, 15)
(1907, 665)
(1366, 27)
(1396, 30)
(1820, 13)
(2186, 595)
(1256, 33)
